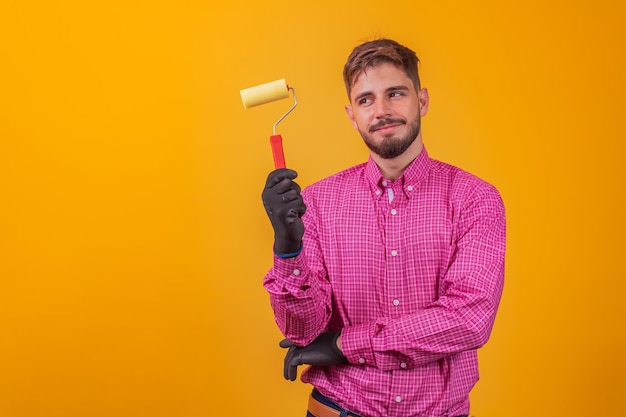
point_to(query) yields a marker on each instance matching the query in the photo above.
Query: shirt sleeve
(463, 315)
(300, 293)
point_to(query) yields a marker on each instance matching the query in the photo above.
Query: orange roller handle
(277, 151)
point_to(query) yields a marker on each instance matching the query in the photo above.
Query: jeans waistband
(318, 396)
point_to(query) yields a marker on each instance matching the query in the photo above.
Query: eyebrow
(387, 90)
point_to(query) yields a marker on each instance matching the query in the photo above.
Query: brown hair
(372, 53)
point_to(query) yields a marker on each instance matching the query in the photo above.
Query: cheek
(362, 119)
(419, 110)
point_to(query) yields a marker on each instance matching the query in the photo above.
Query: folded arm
(462, 316)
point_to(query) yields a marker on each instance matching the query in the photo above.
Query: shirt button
(394, 211)
(361, 360)
(394, 253)
(409, 188)
(385, 183)
(403, 365)
(398, 398)
(377, 192)
(396, 302)
(296, 272)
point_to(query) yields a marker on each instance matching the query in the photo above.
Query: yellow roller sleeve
(264, 93)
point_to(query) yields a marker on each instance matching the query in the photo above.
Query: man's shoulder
(459, 180)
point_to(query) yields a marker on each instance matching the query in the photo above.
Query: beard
(391, 147)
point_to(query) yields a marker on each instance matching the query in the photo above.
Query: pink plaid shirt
(411, 271)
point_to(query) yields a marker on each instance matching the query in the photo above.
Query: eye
(364, 101)
(396, 94)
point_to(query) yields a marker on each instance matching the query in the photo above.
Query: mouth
(386, 126)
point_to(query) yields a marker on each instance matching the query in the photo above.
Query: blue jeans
(327, 401)
(342, 411)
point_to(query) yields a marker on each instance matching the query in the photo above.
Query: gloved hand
(322, 351)
(285, 207)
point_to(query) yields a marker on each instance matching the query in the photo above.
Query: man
(387, 276)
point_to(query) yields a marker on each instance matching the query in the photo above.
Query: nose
(381, 109)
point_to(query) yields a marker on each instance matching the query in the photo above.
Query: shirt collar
(410, 179)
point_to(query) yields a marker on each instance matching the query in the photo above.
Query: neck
(392, 169)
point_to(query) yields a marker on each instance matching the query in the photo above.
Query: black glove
(322, 351)
(285, 207)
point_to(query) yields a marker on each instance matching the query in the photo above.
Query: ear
(422, 96)
(350, 114)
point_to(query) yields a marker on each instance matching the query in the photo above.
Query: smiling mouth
(385, 129)
(386, 125)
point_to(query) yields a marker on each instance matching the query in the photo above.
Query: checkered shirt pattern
(413, 282)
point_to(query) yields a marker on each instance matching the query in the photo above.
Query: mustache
(385, 122)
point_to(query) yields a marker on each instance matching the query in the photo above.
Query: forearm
(300, 298)
(413, 340)
(458, 321)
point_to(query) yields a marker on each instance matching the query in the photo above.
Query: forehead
(379, 78)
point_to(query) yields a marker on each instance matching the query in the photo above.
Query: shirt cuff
(356, 344)
(289, 274)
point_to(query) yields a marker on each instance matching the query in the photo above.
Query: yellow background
(132, 237)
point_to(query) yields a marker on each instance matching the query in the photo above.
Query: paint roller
(266, 93)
